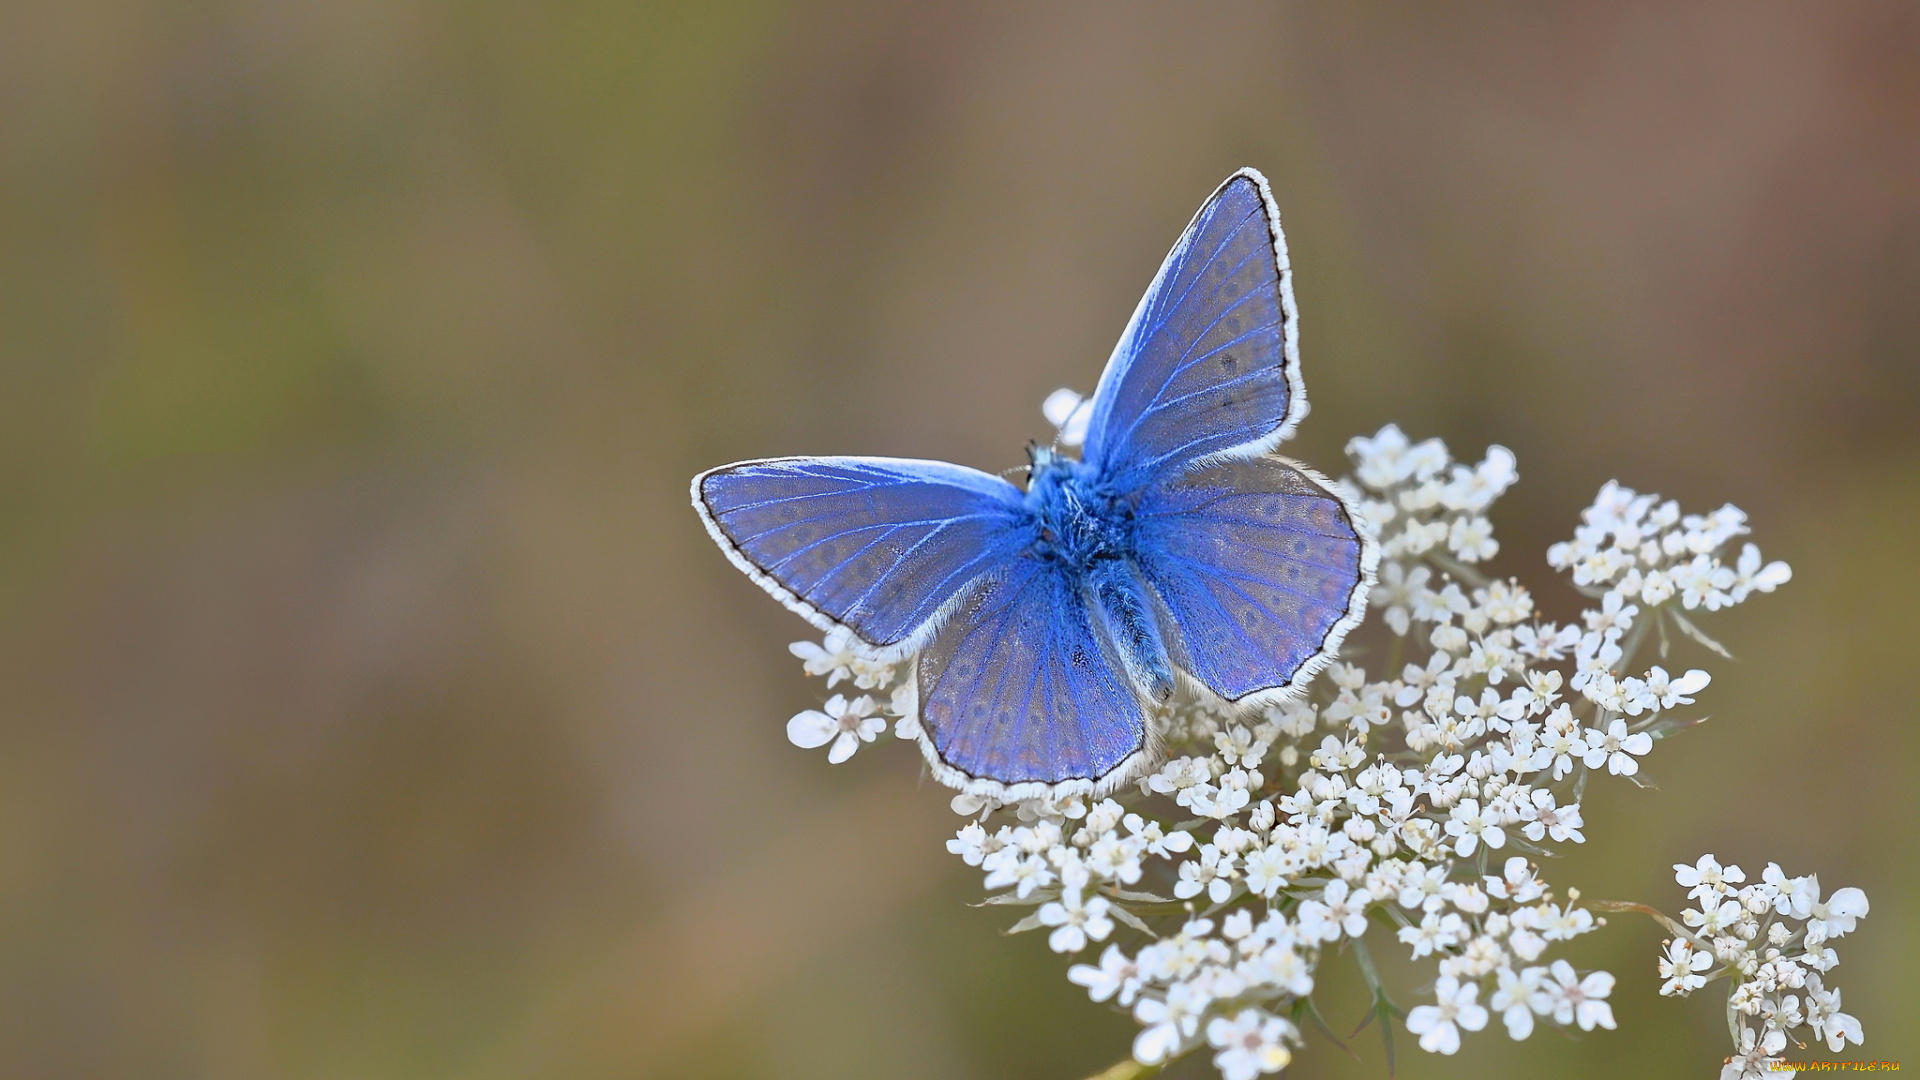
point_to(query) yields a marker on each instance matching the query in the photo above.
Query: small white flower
(1214, 872)
(1154, 839)
(1526, 944)
(1169, 1022)
(1069, 412)
(1024, 874)
(1476, 489)
(1339, 910)
(1474, 826)
(845, 723)
(1347, 907)
(1435, 932)
(834, 657)
(967, 804)
(1448, 639)
(1268, 871)
(1117, 977)
(1471, 538)
(1563, 823)
(1114, 859)
(1417, 680)
(973, 843)
(1560, 744)
(1420, 887)
(1750, 577)
(1704, 582)
(1439, 1025)
(1680, 966)
(1382, 461)
(1562, 923)
(1395, 595)
(1280, 966)
(1613, 746)
(1104, 816)
(1545, 641)
(1707, 880)
(904, 703)
(1240, 747)
(1571, 999)
(1835, 916)
(1614, 618)
(1516, 882)
(1593, 657)
(1757, 1058)
(1513, 999)
(1671, 691)
(1713, 919)
(1251, 1044)
(1828, 1022)
(1075, 921)
(1656, 588)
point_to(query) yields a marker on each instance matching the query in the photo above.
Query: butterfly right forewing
(1209, 364)
(1260, 567)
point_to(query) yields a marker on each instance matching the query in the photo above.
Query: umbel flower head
(1407, 799)
(1772, 940)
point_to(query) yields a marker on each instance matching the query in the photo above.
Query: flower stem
(1458, 569)
(1634, 637)
(1653, 913)
(1383, 1009)
(1126, 1069)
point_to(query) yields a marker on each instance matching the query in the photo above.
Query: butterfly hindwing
(1262, 570)
(1019, 689)
(877, 545)
(1209, 363)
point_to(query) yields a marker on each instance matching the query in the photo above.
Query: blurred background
(376, 707)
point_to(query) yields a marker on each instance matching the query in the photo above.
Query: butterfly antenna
(1027, 468)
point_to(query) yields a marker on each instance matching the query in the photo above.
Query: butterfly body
(1084, 532)
(1048, 627)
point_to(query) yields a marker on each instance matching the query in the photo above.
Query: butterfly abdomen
(1121, 601)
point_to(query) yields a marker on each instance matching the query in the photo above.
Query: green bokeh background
(375, 707)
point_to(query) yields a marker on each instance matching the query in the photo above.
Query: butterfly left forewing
(879, 546)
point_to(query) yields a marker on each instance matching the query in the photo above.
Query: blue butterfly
(1050, 628)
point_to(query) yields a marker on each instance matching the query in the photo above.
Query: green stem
(1459, 569)
(1367, 971)
(1634, 637)
(1126, 1069)
(1383, 1008)
(1652, 913)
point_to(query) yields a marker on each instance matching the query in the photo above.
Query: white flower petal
(843, 747)
(811, 729)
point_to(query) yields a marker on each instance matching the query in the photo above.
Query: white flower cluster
(843, 723)
(1410, 800)
(1422, 502)
(1632, 547)
(1770, 938)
